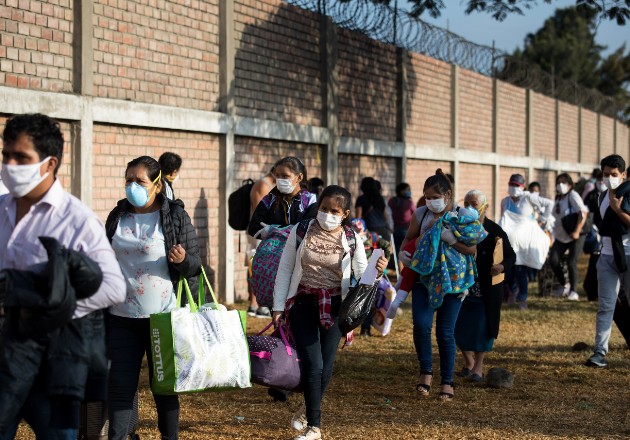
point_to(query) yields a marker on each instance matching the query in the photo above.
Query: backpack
(266, 260)
(238, 206)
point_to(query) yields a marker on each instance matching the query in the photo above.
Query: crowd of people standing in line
(148, 243)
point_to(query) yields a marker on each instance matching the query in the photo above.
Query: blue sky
(510, 33)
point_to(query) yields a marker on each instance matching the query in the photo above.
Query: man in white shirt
(613, 266)
(38, 206)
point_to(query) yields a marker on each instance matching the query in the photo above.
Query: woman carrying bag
(155, 244)
(570, 212)
(313, 278)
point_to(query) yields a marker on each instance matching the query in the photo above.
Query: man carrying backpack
(612, 267)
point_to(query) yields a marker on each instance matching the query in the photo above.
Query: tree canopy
(617, 10)
(565, 47)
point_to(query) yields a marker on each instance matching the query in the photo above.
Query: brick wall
(353, 168)
(64, 173)
(607, 137)
(544, 130)
(198, 185)
(568, 133)
(36, 45)
(161, 52)
(623, 138)
(511, 120)
(277, 62)
(589, 137)
(547, 180)
(479, 177)
(418, 171)
(367, 87)
(475, 111)
(430, 107)
(253, 159)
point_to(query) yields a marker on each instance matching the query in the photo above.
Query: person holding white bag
(155, 244)
(516, 212)
(313, 278)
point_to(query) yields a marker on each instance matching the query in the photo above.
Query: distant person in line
(316, 186)
(260, 189)
(170, 164)
(523, 203)
(590, 184)
(567, 202)
(402, 207)
(613, 266)
(370, 206)
(534, 187)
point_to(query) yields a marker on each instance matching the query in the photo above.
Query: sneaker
(561, 291)
(251, 311)
(597, 361)
(522, 305)
(312, 433)
(365, 332)
(298, 421)
(263, 312)
(573, 296)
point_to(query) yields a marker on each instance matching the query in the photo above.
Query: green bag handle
(183, 282)
(202, 289)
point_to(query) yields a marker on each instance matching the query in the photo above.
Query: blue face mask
(137, 195)
(407, 194)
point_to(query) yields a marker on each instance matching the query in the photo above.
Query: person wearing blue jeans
(613, 266)
(438, 192)
(518, 282)
(445, 318)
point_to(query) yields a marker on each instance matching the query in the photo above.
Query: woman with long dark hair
(313, 278)
(370, 206)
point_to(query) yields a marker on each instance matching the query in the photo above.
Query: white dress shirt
(64, 217)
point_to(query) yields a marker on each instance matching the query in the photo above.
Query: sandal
(424, 389)
(445, 396)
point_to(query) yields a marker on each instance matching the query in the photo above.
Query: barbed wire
(389, 25)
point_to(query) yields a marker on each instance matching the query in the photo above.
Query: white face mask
(436, 205)
(327, 221)
(562, 188)
(601, 186)
(285, 186)
(22, 179)
(612, 182)
(515, 191)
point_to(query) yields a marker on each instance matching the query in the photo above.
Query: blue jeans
(422, 314)
(608, 283)
(36, 412)
(518, 280)
(317, 348)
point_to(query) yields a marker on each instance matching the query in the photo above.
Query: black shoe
(365, 332)
(278, 394)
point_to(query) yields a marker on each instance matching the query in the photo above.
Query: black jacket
(177, 229)
(274, 209)
(39, 341)
(612, 226)
(492, 295)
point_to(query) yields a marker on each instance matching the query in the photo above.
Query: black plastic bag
(356, 306)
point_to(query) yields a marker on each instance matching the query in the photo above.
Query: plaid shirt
(324, 298)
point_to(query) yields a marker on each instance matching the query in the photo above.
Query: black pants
(127, 343)
(555, 259)
(317, 348)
